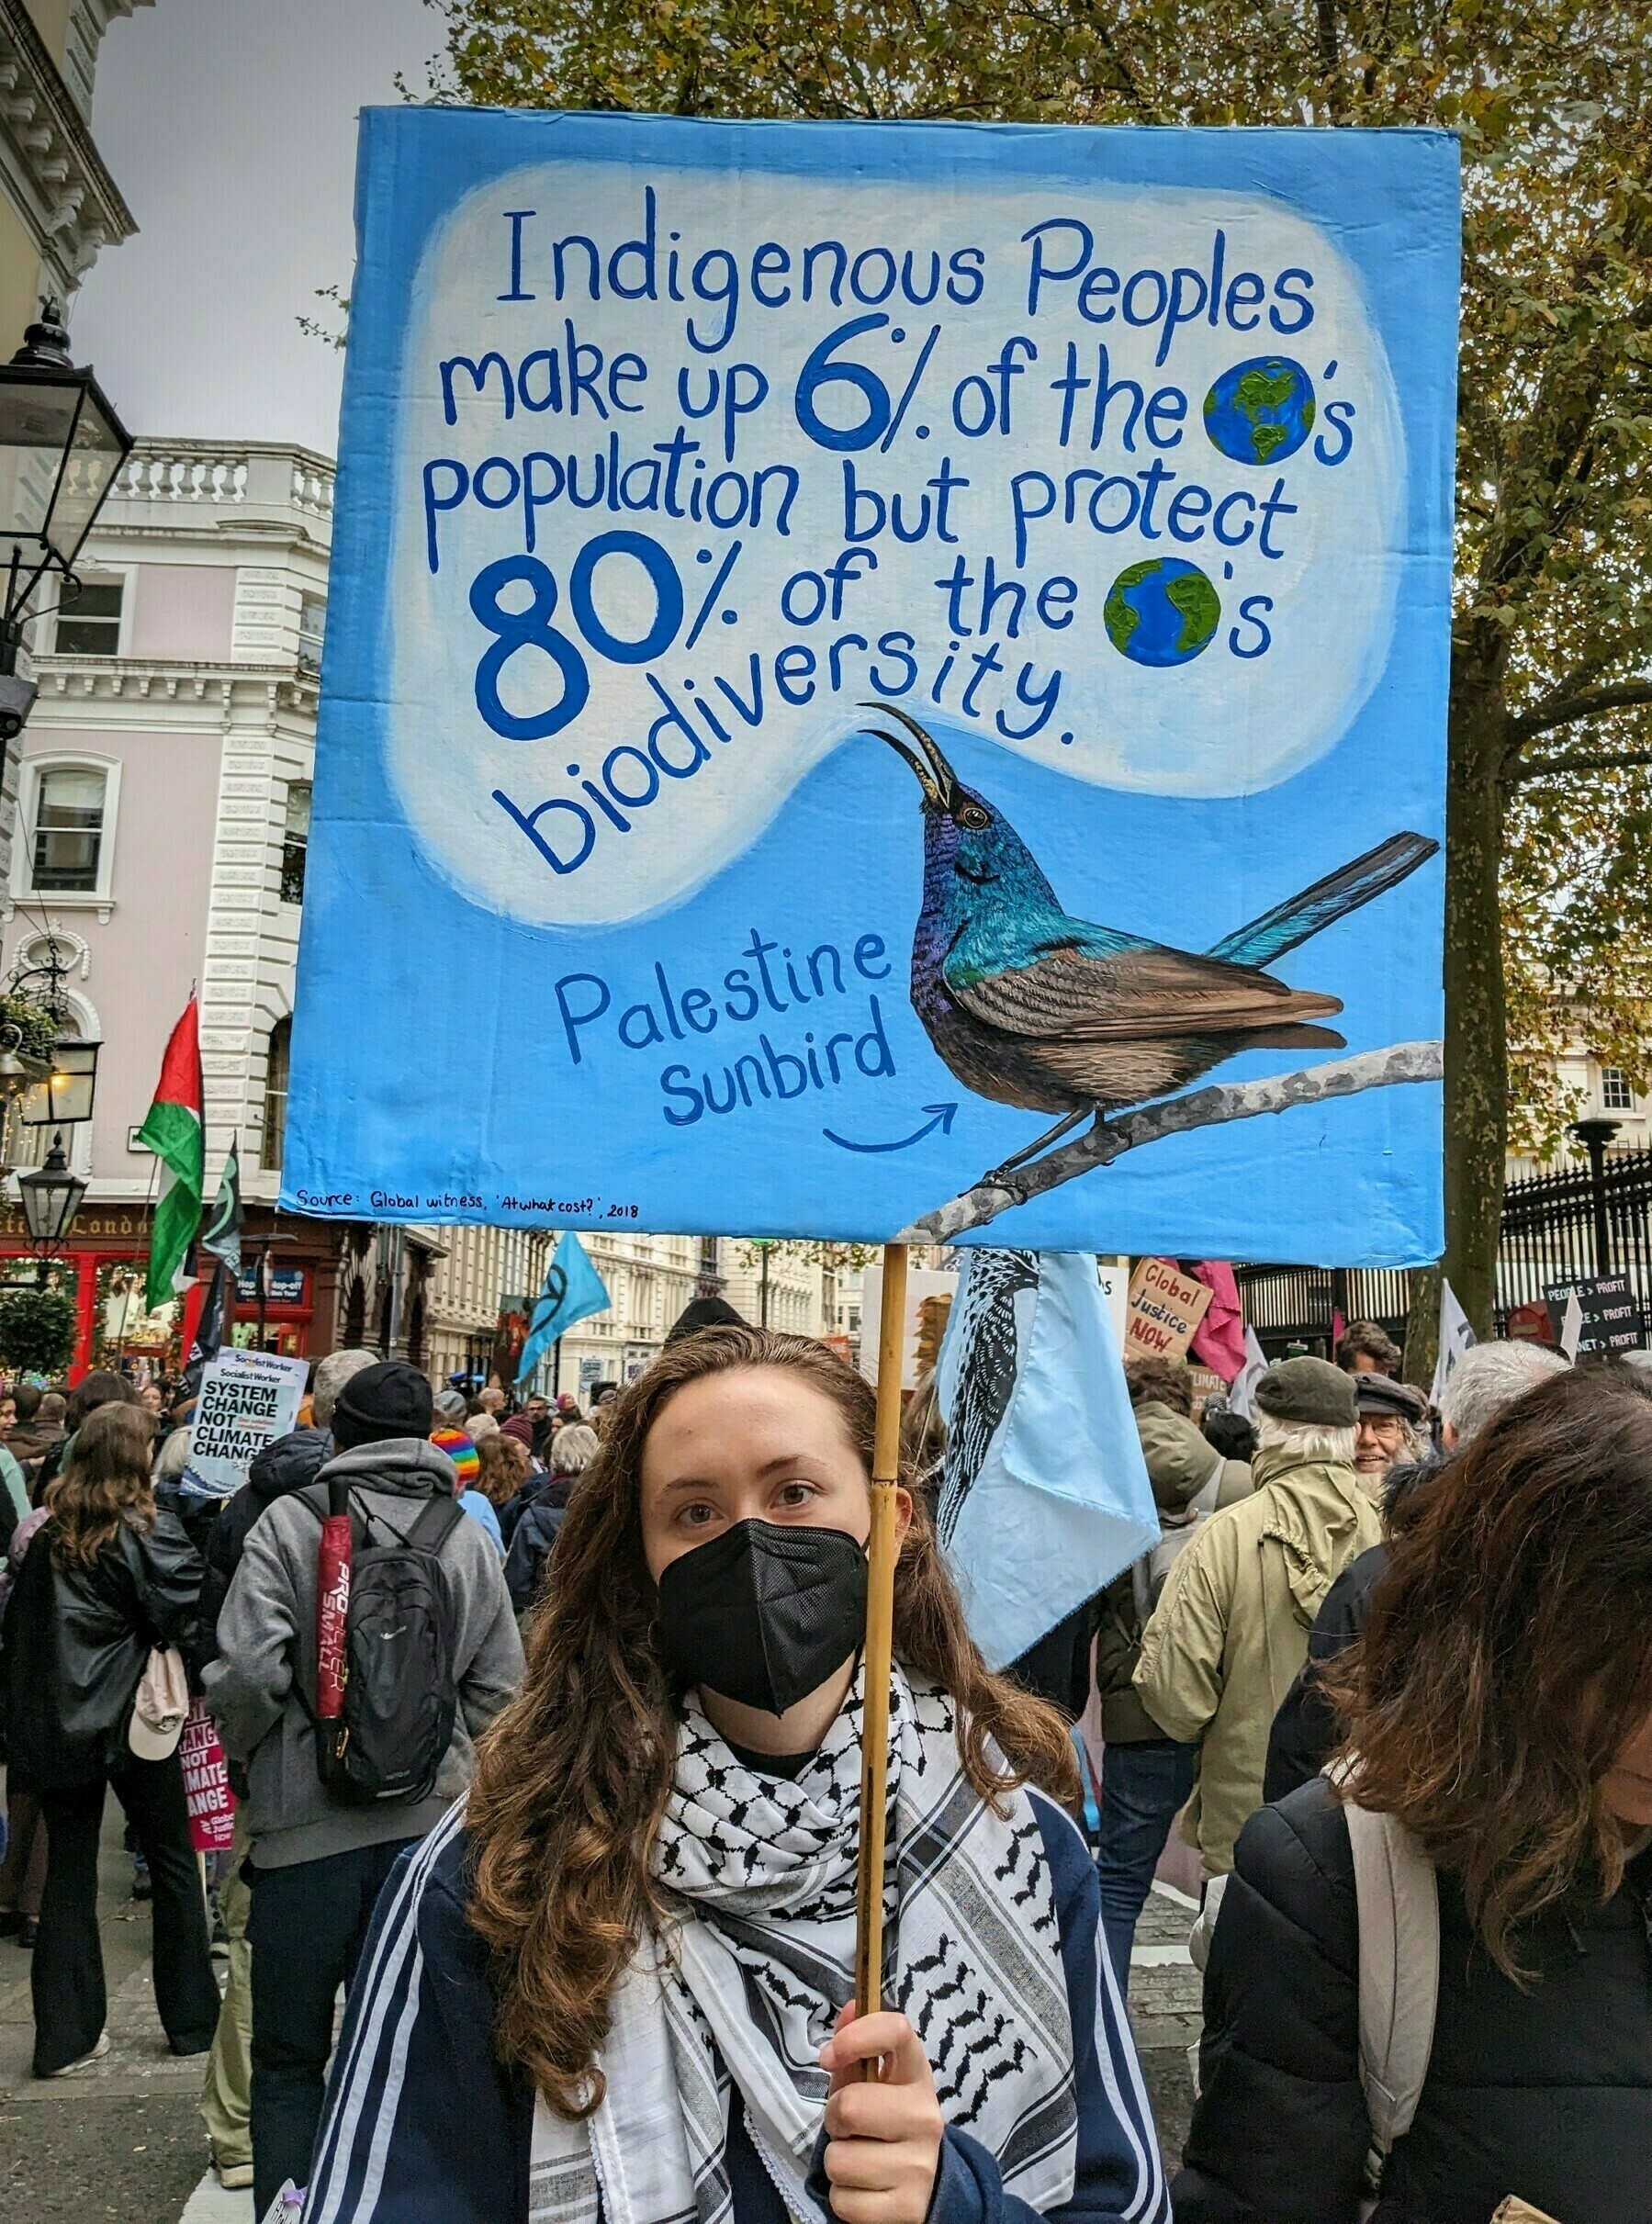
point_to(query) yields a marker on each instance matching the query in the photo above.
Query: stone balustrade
(267, 476)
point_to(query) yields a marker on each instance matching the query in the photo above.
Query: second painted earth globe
(1260, 411)
(1163, 611)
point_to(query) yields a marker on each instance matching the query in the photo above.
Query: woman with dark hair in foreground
(617, 1985)
(1501, 1708)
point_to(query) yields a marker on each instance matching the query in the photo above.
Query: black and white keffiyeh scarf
(760, 1873)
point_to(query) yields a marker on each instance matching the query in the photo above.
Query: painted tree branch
(1209, 1108)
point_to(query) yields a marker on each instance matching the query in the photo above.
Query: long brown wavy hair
(575, 1773)
(1508, 1656)
(105, 1482)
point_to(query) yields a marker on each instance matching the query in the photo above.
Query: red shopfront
(102, 1270)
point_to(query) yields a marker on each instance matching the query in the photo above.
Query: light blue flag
(573, 1289)
(1045, 1496)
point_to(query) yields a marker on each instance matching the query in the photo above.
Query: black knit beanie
(391, 1398)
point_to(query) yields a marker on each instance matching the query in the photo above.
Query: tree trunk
(1422, 1329)
(1476, 1043)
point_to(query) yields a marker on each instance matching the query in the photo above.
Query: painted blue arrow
(944, 1116)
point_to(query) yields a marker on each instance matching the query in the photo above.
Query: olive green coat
(1181, 1467)
(1230, 1631)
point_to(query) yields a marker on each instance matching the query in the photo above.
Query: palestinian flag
(176, 1134)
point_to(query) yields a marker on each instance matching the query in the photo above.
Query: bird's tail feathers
(1332, 898)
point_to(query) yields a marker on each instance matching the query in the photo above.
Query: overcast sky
(230, 126)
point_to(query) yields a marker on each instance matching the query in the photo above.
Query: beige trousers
(227, 2095)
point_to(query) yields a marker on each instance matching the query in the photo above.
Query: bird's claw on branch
(1001, 1179)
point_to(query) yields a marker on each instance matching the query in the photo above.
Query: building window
(295, 842)
(275, 1095)
(68, 830)
(88, 623)
(312, 629)
(1616, 1096)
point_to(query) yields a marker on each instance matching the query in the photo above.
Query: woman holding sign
(107, 1577)
(617, 1985)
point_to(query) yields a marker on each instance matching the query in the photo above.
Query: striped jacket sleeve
(1120, 2173)
(420, 2123)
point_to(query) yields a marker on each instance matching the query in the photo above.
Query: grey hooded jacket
(266, 1632)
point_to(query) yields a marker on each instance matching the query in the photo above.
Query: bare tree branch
(1209, 1108)
(1552, 768)
(1565, 711)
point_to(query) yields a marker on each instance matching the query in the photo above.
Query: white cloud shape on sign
(503, 819)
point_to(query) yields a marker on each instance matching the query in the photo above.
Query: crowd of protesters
(1362, 1613)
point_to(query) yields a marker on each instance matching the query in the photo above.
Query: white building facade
(59, 206)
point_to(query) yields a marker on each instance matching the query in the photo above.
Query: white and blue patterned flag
(1045, 1496)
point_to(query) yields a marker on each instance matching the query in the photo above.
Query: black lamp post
(61, 447)
(51, 1196)
(66, 1094)
(1594, 1135)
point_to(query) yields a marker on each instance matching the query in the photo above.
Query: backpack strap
(1399, 1899)
(436, 1523)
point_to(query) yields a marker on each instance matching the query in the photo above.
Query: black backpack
(401, 1700)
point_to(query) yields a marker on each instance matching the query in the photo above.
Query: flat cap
(1310, 1392)
(1382, 1396)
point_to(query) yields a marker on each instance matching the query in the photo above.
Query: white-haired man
(1486, 1378)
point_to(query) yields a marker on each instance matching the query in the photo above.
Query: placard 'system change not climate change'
(869, 667)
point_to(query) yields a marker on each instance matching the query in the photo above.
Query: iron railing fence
(1548, 1237)
(1548, 1233)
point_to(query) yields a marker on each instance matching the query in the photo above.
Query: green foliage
(35, 1025)
(809, 1250)
(37, 1331)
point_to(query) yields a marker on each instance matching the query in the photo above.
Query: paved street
(124, 2140)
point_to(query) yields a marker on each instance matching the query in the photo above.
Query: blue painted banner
(854, 649)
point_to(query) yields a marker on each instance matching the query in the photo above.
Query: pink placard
(206, 1783)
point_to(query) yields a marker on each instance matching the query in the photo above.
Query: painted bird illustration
(1032, 1007)
(985, 1374)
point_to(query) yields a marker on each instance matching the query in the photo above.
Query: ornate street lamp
(62, 448)
(51, 1196)
(67, 1093)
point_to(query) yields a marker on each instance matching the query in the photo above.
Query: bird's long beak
(936, 778)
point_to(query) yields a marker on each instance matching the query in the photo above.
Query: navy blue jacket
(422, 2123)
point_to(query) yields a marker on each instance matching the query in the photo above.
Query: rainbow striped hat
(462, 1452)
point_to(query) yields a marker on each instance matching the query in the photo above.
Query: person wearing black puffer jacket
(108, 1578)
(1500, 1709)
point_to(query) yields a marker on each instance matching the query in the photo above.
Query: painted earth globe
(1163, 611)
(1260, 411)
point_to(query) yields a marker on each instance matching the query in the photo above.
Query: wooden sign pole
(880, 1636)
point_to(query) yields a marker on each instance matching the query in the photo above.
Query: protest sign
(1163, 1310)
(1609, 1313)
(207, 1792)
(929, 1294)
(1114, 1276)
(247, 1398)
(1112, 468)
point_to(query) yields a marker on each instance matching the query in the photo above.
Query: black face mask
(763, 1613)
